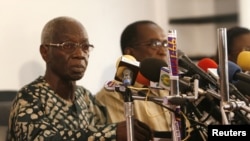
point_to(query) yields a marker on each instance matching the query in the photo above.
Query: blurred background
(196, 22)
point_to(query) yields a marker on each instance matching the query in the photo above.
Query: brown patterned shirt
(38, 113)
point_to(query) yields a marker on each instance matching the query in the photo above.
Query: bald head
(55, 27)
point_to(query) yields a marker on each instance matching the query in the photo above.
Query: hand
(142, 132)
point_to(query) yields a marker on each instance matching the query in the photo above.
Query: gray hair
(52, 26)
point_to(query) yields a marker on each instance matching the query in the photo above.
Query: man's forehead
(150, 33)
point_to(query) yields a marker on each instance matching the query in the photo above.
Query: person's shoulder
(30, 89)
(109, 87)
(38, 82)
(109, 92)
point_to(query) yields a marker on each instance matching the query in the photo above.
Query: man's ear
(44, 52)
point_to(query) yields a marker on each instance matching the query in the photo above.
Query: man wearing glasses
(53, 107)
(141, 39)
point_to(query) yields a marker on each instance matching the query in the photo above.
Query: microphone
(207, 63)
(156, 70)
(209, 66)
(205, 79)
(235, 73)
(127, 69)
(233, 69)
(150, 68)
(243, 87)
(192, 69)
(243, 60)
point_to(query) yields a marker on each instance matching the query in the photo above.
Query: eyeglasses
(153, 44)
(71, 46)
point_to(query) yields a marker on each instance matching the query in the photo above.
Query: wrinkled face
(62, 63)
(239, 44)
(149, 35)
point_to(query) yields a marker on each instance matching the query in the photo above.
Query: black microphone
(185, 62)
(243, 87)
(150, 68)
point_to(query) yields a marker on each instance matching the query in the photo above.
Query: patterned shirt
(38, 113)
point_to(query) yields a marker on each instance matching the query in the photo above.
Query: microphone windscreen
(233, 69)
(207, 63)
(243, 60)
(151, 67)
(142, 79)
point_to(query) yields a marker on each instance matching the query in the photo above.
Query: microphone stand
(224, 82)
(174, 83)
(170, 103)
(129, 113)
(128, 110)
(226, 106)
(128, 103)
(166, 102)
